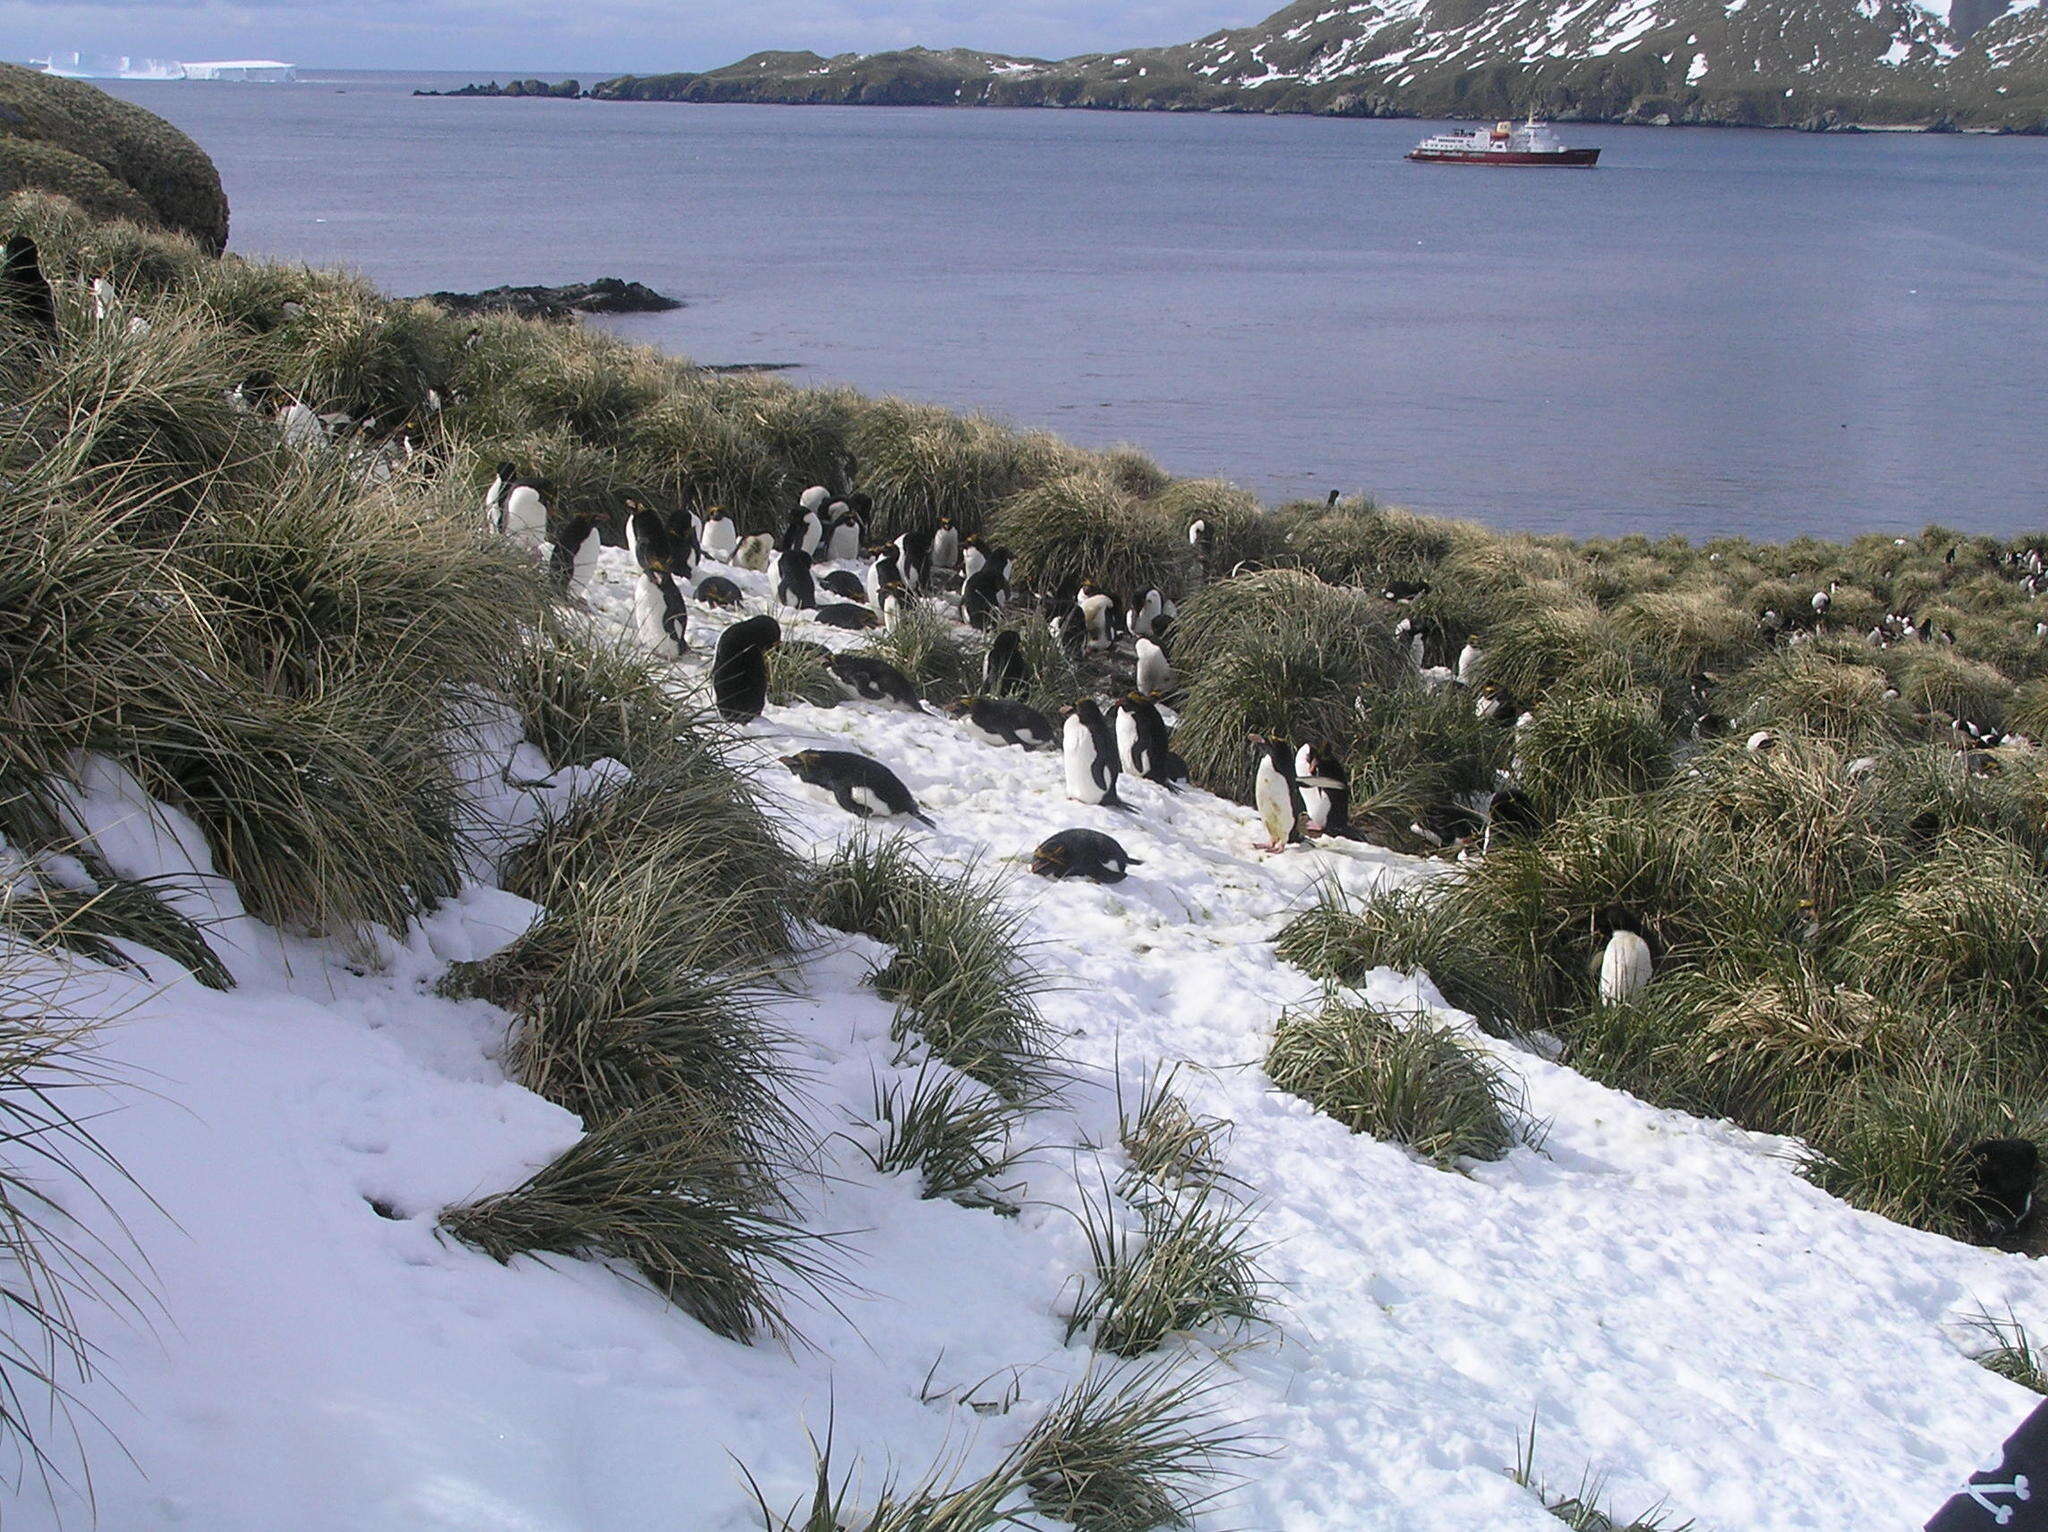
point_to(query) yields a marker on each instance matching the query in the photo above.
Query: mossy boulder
(112, 158)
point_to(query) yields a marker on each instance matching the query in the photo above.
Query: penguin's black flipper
(842, 794)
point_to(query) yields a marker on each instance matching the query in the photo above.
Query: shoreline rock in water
(607, 295)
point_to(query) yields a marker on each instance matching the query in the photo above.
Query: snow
(1897, 53)
(1669, 1300)
(1696, 71)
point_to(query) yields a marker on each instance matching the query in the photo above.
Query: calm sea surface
(1764, 333)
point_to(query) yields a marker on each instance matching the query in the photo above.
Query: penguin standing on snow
(1142, 744)
(1003, 673)
(24, 291)
(648, 539)
(720, 537)
(494, 499)
(660, 616)
(1082, 854)
(913, 557)
(1325, 791)
(1003, 721)
(1090, 755)
(862, 787)
(793, 583)
(739, 668)
(1275, 794)
(982, 598)
(844, 534)
(883, 572)
(1155, 673)
(572, 556)
(945, 549)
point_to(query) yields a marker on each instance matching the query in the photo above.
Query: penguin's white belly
(719, 541)
(1154, 674)
(1276, 809)
(870, 800)
(526, 518)
(584, 567)
(1315, 803)
(648, 611)
(845, 546)
(1624, 967)
(1080, 764)
(1127, 743)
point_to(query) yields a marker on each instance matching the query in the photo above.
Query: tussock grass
(1275, 653)
(955, 1136)
(799, 673)
(48, 1157)
(930, 649)
(1411, 928)
(623, 1001)
(1398, 1077)
(90, 923)
(2009, 1351)
(1581, 1510)
(1190, 1265)
(582, 700)
(657, 1190)
(920, 462)
(1802, 691)
(1166, 1142)
(1055, 680)
(962, 981)
(1085, 525)
(1129, 1450)
(1894, 1144)
(1580, 746)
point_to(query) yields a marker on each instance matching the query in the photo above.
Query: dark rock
(566, 90)
(607, 295)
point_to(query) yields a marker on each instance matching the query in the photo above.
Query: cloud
(593, 35)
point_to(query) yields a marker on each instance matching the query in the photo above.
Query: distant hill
(1801, 63)
(112, 158)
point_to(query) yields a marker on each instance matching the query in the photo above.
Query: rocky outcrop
(111, 157)
(607, 295)
(564, 90)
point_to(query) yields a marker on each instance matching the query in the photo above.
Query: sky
(593, 36)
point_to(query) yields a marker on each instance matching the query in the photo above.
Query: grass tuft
(1190, 1265)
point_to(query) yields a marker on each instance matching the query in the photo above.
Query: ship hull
(1563, 159)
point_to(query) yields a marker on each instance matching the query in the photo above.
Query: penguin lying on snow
(1275, 794)
(845, 584)
(876, 680)
(1090, 754)
(1001, 721)
(660, 617)
(849, 615)
(862, 787)
(717, 590)
(1082, 854)
(1003, 672)
(739, 668)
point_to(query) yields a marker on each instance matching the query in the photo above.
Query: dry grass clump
(920, 462)
(1412, 928)
(1398, 1077)
(928, 648)
(1084, 525)
(1166, 1143)
(656, 1190)
(1189, 1265)
(1938, 679)
(2011, 1352)
(1807, 692)
(1692, 630)
(582, 700)
(962, 980)
(1584, 745)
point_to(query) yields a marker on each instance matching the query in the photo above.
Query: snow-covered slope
(1665, 1297)
(1818, 63)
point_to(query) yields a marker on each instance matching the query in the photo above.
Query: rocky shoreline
(607, 295)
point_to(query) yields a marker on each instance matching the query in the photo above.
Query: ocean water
(1713, 332)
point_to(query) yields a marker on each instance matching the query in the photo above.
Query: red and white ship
(1532, 143)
